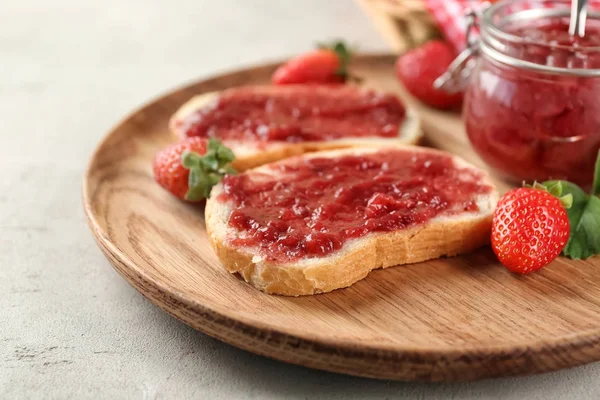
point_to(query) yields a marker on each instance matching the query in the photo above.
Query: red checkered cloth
(449, 16)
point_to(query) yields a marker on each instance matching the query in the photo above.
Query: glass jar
(532, 104)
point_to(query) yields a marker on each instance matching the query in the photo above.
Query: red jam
(534, 126)
(297, 114)
(311, 207)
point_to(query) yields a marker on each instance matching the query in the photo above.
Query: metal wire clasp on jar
(532, 103)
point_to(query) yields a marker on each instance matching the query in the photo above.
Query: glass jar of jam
(532, 104)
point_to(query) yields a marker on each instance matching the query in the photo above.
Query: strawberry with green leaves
(530, 228)
(189, 169)
(328, 64)
(534, 225)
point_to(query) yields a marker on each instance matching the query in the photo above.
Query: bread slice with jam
(322, 221)
(262, 124)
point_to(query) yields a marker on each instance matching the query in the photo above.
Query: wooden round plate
(460, 318)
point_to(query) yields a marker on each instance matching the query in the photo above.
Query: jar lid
(502, 41)
(496, 40)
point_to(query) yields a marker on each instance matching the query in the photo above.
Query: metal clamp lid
(457, 74)
(493, 40)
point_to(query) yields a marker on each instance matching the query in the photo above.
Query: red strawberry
(168, 168)
(530, 228)
(189, 169)
(417, 69)
(325, 65)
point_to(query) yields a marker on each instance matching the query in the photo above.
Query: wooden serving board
(453, 319)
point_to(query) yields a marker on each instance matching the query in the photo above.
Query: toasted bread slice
(447, 234)
(250, 154)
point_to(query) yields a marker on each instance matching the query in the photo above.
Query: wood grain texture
(454, 319)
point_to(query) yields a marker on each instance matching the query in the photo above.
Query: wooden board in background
(459, 318)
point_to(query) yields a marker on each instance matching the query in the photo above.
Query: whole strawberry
(417, 69)
(326, 65)
(530, 228)
(190, 168)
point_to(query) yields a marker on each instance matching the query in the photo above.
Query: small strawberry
(190, 168)
(417, 69)
(328, 64)
(530, 227)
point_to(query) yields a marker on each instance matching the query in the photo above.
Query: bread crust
(446, 236)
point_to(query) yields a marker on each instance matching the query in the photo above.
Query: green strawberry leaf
(229, 170)
(343, 52)
(199, 186)
(213, 179)
(567, 200)
(579, 203)
(596, 186)
(189, 159)
(209, 161)
(584, 241)
(225, 156)
(213, 145)
(556, 189)
(207, 170)
(584, 216)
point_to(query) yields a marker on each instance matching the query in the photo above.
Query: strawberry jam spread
(296, 113)
(309, 207)
(531, 125)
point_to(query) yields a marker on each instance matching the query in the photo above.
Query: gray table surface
(70, 327)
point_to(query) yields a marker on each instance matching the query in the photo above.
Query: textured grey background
(70, 327)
